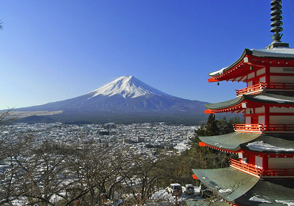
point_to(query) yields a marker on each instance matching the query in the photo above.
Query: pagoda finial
(276, 20)
(276, 25)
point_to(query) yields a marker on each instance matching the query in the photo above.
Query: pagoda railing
(283, 86)
(251, 89)
(278, 127)
(278, 172)
(253, 169)
(248, 127)
(246, 167)
(264, 127)
(262, 85)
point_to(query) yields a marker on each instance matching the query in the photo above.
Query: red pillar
(266, 115)
(265, 162)
(138, 199)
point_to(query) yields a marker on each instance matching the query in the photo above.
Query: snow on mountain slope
(126, 99)
(128, 87)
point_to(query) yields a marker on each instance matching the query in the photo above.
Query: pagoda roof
(251, 57)
(285, 99)
(229, 142)
(241, 188)
(236, 141)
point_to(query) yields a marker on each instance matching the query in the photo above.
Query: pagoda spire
(276, 17)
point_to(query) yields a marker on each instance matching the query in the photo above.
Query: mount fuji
(124, 99)
(127, 87)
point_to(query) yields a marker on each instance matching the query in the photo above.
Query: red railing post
(246, 166)
(263, 127)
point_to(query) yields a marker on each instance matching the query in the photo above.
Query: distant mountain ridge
(126, 96)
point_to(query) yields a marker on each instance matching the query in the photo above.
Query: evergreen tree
(211, 126)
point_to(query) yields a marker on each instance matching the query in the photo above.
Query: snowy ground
(164, 197)
(161, 197)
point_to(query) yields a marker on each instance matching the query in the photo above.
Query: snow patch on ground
(162, 195)
(182, 146)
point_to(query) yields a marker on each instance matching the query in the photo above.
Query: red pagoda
(263, 173)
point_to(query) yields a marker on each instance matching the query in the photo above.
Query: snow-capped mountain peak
(128, 87)
(126, 99)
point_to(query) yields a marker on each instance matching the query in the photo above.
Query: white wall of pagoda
(256, 76)
(259, 162)
(281, 110)
(261, 119)
(281, 79)
(281, 119)
(259, 110)
(281, 75)
(260, 72)
(283, 70)
(255, 115)
(281, 115)
(247, 120)
(262, 79)
(274, 75)
(280, 163)
(276, 115)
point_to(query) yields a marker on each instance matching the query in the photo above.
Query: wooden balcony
(262, 85)
(289, 128)
(280, 86)
(245, 167)
(249, 127)
(278, 172)
(279, 127)
(253, 170)
(252, 89)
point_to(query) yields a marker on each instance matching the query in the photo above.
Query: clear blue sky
(52, 50)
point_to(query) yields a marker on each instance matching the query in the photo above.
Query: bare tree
(44, 173)
(13, 148)
(142, 175)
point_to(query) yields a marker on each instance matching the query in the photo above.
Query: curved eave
(278, 99)
(223, 70)
(240, 68)
(228, 142)
(278, 192)
(260, 143)
(231, 151)
(240, 188)
(228, 183)
(233, 105)
(272, 98)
